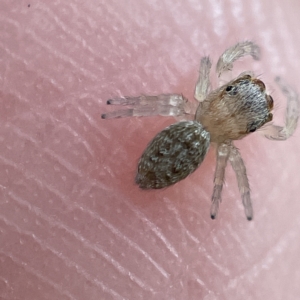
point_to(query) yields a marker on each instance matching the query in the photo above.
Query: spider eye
(231, 90)
(270, 101)
(252, 127)
(247, 76)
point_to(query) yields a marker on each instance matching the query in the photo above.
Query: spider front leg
(230, 55)
(279, 133)
(142, 106)
(223, 151)
(239, 168)
(203, 82)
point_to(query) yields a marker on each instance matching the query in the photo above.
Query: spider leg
(239, 168)
(279, 133)
(230, 55)
(164, 105)
(203, 82)
(222, 156)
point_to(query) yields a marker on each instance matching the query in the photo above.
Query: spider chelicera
(227, 113)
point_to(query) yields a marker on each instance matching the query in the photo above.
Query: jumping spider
(227, 113)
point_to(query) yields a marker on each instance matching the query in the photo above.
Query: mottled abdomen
(172, 155)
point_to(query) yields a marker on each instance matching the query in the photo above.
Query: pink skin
(73, 224)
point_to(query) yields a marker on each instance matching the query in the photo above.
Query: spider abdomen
(172, 155)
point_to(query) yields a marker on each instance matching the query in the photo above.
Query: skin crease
(73, 223)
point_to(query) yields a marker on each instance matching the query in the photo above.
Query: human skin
(73, 225)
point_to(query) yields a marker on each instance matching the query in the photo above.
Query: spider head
(236, 109)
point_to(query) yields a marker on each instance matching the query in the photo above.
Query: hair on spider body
(227, 113)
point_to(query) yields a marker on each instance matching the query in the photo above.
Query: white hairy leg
(143, 106)
(239, 168)
(239, 50)
(203, 82)
(222, 156)
(281, 133)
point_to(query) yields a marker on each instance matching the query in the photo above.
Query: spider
(228, 113)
